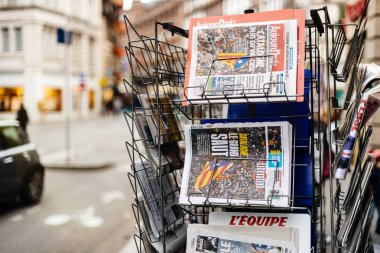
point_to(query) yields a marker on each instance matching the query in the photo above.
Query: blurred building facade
(179, 12)
(32, 63)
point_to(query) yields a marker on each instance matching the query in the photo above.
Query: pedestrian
(110, 107)
(22, 117)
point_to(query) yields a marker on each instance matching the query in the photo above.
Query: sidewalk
(94, 143)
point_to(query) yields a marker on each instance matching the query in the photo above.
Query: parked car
(21, 172)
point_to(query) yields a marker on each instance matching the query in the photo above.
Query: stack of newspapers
(147, 124)
(251, 232)
(238, 164)
(356, 207)
(362, 108)
(255, 58)
(172, 222)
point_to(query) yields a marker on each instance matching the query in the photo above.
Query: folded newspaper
(170, 154)
(169, 127)
(150, 187)
(361, 109)
(253, 57)
(300, 221)
(238, 164)
(358, 115)
(227, 239)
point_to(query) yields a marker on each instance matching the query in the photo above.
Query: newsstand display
(231, 147)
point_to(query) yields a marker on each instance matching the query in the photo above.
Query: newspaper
(360, 115)
(360, 232)
(240, 58)
(150, 188)
(299, 221)
(169, 127)
(226, 239)
(357, 186)
(175, 242)
(237, 163)
(362, 202)
(171, 155)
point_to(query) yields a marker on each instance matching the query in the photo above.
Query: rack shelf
(158, 70)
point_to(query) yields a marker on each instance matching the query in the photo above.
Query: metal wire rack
(158, 69)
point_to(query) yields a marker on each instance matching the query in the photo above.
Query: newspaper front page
(251, 59)
(300, 221)
(237, 163)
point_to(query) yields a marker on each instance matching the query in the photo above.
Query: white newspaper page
(238, 164)
(300, 221)
(254, 60)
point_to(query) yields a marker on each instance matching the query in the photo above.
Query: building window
(5, 37)
(52, 101)
(91, 99)
(18, 38)
(10, 98)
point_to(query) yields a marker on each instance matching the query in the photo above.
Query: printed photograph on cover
(247, 162)
(257, 59)
(169, 126)
(227, 239)
(213, 244)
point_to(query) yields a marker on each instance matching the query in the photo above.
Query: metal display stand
(346, 69)
(158, 68)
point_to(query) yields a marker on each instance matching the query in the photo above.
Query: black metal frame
(165, 75)
(339, 214)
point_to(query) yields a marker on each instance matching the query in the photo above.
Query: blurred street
(82, 210)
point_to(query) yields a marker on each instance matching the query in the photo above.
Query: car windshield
(11, 136)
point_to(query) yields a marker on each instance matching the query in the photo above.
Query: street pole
(68, 95)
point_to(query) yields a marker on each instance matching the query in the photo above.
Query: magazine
(251, 56)
(237, 164)
(300, 221)
(171, 154)
(150, 187)
(169, 127)
(227, 239)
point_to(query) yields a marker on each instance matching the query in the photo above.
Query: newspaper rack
(167, 78)
(158, 68)
(349, 232)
